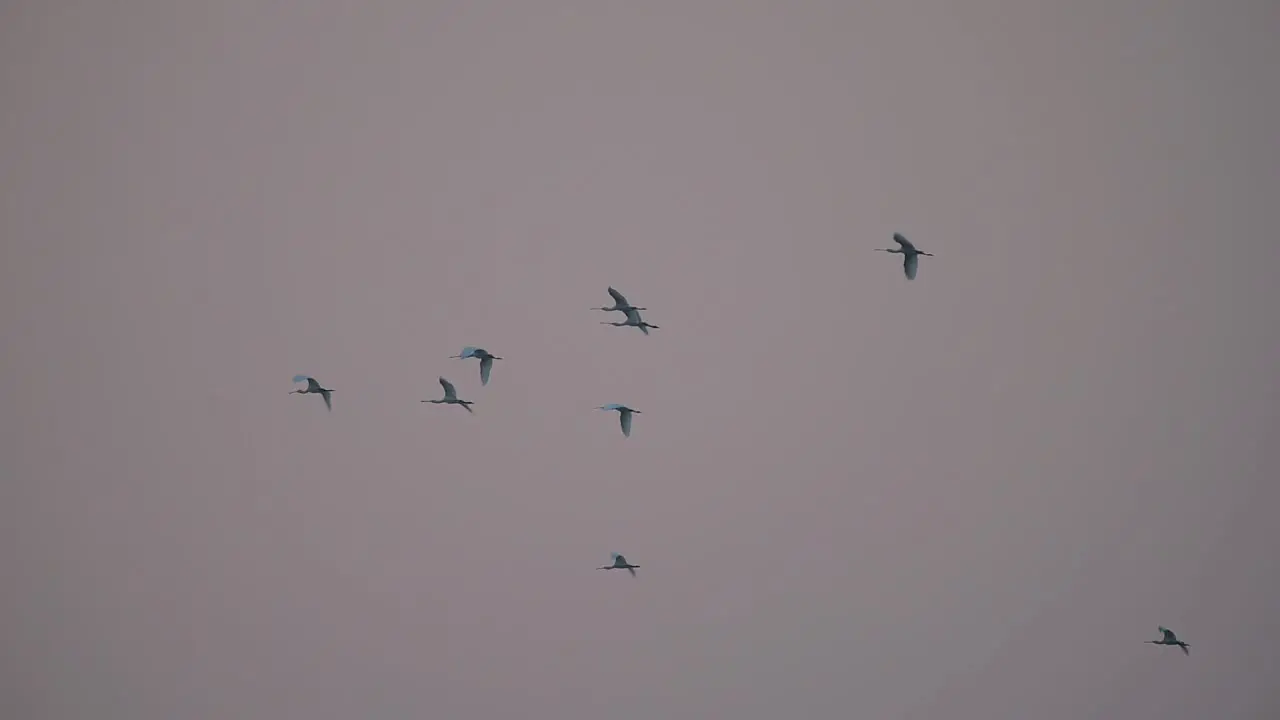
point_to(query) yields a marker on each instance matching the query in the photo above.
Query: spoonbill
(486, 360)
(1170, 639)
(450, 397)
(911, 256)
(619, 303)
(624, 416)
(620, 563)
(633, 320)
(313, 387)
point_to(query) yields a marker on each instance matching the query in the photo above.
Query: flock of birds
(910, 264)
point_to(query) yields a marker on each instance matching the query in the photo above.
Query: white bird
(450, 397)
(910, 255)
(633, 320)
(1170, 639)
(624, 416)
(486, 360)
(620, 563)
(313, 387)
(619, 303)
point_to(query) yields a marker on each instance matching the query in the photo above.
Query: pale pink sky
(968, 497)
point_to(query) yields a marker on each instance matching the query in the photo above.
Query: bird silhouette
(313, 387)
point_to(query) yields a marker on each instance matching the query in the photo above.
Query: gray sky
(972, 496)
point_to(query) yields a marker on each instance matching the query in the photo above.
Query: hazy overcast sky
(968, 497)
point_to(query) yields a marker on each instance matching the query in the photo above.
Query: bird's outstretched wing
(632, 571)
(486, 364)
(905, 243)
(328, 401)
(312, 385)
(299, 378)
(619, 560)
(1168, 634)
(909, 265)
(624, 417)
(449, 391)
(618, 297)
(1186, 649)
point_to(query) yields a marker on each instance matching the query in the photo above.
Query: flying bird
(633, 320)
(624, 416)
(450, 397)
(619, 303)
(486, 360)
(620, 563)
(1170, 639)
(911, 256)
(313, 387)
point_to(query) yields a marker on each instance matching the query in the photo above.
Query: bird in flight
(313, 387)
(633, 320)
(620, 563)
(624, 416)
(1170, 639)
(910, 255)
(619, 303)
(486, 360)
(450, 397)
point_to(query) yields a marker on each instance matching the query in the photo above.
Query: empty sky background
(970, 497)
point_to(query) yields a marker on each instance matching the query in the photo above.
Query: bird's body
(620, 303)
(624, 416)
(910, 255)
(450, 397)
(313, 387)
(633, 320)
(620, 563)
(486, 360)
(1170, 639)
